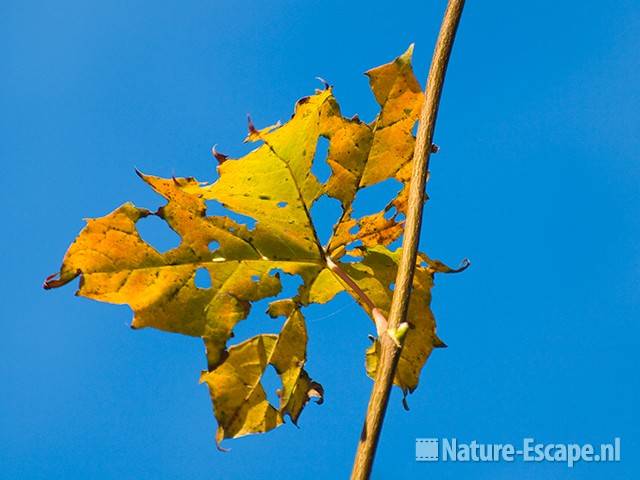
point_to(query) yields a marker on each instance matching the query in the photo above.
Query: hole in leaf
(214, 245)
(392, 286)
(271, 384)
(355, 229)
(348, 258)
(325, 211)
(414, 130)
(202, 278)
(374, 198)
(282, 204)
(157, 233)
(258, 322)
(400, 217)
(215, 208)
(388, 215)
(320, 168)
(290, 284)
(397, 243)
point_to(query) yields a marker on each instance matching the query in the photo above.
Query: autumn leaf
(241, 404)
(375, 274)
(274, 185)
(363, 155)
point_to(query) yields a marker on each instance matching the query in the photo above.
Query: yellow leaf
(375, 276)
(240, 403)
(362, 155)
(274, 185)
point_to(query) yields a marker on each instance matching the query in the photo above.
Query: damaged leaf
(375, 275)
(239, 400)
(273, 185)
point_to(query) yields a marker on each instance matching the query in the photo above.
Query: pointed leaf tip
(251, 127)
(409, 51)
(464, 264)
(324, 82)
(220, 157)
(438, 343)
(49, 282)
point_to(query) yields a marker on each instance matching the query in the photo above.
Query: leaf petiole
(378, 317)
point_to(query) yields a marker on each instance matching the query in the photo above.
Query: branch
(404, 279)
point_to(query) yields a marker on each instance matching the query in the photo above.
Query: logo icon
(426, 449)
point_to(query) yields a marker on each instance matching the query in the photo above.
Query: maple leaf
(274, 185)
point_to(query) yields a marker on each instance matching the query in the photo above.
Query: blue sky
(537, 183)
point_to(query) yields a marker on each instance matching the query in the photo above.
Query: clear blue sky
(537, 182)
